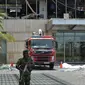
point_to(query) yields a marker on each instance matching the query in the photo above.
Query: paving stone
(36, 79)
(8, 79)
(40, 79)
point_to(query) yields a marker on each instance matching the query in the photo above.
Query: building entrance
(71, 46)
(68, 51)
(74, 52)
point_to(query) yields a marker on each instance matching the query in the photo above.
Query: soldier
(24, 65)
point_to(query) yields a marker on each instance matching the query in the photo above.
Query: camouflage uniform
(24, 65)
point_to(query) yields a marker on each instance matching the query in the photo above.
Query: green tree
(4, 35)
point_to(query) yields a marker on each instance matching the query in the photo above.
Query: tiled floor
(40, 79)
(36, 79)
(8, 79)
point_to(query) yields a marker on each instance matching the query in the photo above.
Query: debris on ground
(7, 67)
(69, 67)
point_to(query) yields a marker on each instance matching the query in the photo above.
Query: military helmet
(25, 51)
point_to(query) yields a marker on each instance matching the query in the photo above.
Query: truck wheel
(51, 66)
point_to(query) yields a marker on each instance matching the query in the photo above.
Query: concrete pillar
(43, 8)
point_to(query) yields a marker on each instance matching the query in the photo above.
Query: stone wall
(21, 30)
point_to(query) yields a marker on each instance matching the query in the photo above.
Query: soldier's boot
(27, 83)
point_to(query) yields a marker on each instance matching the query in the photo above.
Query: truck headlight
(32, 58)
(52, 58)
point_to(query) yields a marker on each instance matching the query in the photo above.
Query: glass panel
(42, 43)
(3, 51)
(59, 39)
(82, 51)
(69, 46)
(69, 51)
(68, 39)
(74, 46)
(77, 39)
(60, 47)
(59, 34)
(69, 34)
(60, 52)
(11, 1)
(80, 36)
(77, 51)
(2, 1)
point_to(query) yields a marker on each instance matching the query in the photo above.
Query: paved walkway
(36, 79)
(73, 77)
(8, 79)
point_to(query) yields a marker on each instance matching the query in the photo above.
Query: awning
(70, 23)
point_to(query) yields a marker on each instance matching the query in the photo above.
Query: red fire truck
(42, 50)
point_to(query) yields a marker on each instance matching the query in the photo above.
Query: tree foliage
(3, 34)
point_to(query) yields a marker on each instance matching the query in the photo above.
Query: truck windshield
(42, 43)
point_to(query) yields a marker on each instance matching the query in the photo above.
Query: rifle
(25, 72)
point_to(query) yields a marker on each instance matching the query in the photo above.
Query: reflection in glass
(60, 39)
(68, 39)
(79, 34)
(74, 43)
(59, 34)
(68, 34)
(82, 51)
(60, 51)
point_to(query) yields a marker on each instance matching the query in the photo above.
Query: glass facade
(18, 8)
(70, 46)
(11, 7)
(55, 8)
(3, 51)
